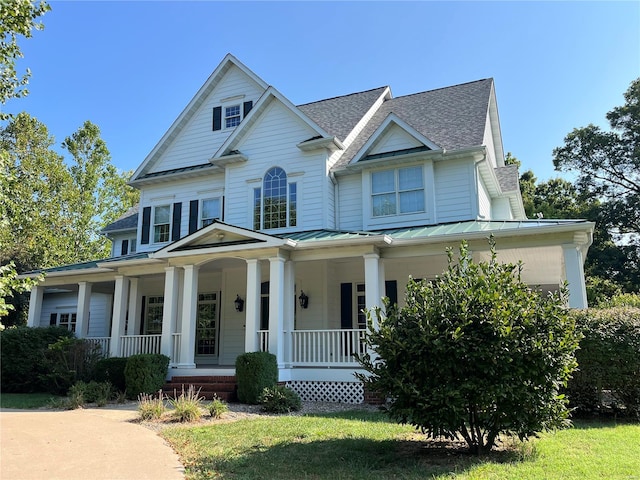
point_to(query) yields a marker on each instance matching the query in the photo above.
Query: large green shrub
(145, 373)
(608, 361)
(68, 361)
(22, 352)
(255, 371)
(475, 352)
(112, 370)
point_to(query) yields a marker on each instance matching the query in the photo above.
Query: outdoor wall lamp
(303, 299)
(239, 303)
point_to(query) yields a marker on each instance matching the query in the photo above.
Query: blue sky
(131, 67)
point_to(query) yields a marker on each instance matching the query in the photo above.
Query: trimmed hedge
(255, 371)
(22, 357)
(608, 374)
(112, 370)
(145, 373)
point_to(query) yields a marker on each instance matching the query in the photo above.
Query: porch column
(189, 314)
(82, 317)
(35, 306)
(289, 308)
(276, 308)
(170, 311)
(372, 282)
(252, 306)
(135, 307)
(119, 314)
(574, 271)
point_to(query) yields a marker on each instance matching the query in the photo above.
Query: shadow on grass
(348, 458)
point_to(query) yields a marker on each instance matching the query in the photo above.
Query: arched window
(275, 204)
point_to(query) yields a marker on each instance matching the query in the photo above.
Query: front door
(207, 328)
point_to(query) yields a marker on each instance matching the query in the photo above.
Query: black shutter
(144, 301)
(391, 291)
(346, 306)
(217, 118)
(177, 220)
(53, 319)
(146, 225)
(246, 108)
(193, 216)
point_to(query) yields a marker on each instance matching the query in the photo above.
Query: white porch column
(135, 307)
(574, 271)
(119, 313)
(289, 308)
(276, 308)
(170, 311)
(35, 306)
(252, 305)
(82, 317)
(189, 314)
(372, 282)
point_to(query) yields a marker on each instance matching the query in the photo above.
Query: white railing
(263, 340)
(136, 344)
(103, 342)
(326, 347)
(175, 357)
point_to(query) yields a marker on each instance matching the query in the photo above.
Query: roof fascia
(494, 119)
(269, 95)
(375, 136)
(192, 106)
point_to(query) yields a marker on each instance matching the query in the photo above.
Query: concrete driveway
(86, 444)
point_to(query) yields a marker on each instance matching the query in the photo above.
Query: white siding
(198, 142)
(394, 139)
(501, 209)
(232, 323)
(484, 200)
(99, 310)
(454, 190)
(350, 202)
(488, 142)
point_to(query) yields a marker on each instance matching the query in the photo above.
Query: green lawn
(25, 400)
(361, 445)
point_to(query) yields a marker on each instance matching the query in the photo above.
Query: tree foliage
(474, 353)
(17, 18)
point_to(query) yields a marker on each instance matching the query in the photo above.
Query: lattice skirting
(346, 392)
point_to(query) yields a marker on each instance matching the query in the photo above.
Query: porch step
(222, 387)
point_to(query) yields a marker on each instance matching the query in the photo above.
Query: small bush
(92, 392)
(255, 371)
(188, 406)
(112, 370)
(151, 407)
(217, 408)
(280, 399)
(145, 373)
(67, 361)
(22, 351)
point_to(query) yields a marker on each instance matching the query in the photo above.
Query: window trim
(292, 200)
(226, 117)
(201, 219)
(168, 223)
(398, 191)
(158, 303)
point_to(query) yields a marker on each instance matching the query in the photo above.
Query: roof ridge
(342, 96)
(443, 88)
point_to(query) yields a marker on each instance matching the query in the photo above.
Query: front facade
(268, 226)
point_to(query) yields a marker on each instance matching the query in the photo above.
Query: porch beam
(170, 311)
(189, 314)
(84, 301)
(35, 306)
(252, 302)
(121, 292)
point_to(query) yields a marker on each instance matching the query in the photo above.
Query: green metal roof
(88, 265)
(319, 235)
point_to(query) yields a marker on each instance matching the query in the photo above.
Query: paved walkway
(86, 444)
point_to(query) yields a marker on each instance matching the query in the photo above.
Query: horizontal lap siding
(484, 200)
(454, 190)
(350, 202)
(395, 139)
(99, 310)
(197, 142)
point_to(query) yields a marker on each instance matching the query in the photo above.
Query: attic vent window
(232, 116)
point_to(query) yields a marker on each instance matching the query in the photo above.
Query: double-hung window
(210, 211)
(153, 315)
(161, 223)
(64, 320)
(397, 191)
(276, 203)
(232, 116)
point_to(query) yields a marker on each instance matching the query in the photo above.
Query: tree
(10, 286)
(474, 353)
(17, 18)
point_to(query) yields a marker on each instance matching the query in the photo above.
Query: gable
(394, 139)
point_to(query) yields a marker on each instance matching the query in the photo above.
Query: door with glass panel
(208, 328)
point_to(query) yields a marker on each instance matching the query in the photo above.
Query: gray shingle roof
(451, 117)
(339, 115)
(508, 178)
(127, 221)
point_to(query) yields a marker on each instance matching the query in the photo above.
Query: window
(153, 315)
(161, 223)
(127, 246)
(210, 211)
(275, 205)
(232, 116)
(397, 191)
(207, 324)
(66, 320)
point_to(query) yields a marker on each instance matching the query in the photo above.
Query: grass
(25, 400)
(362, 445)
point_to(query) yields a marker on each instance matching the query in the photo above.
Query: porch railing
(136, 344)
(103, 342)
(263, 340)
(326, 347)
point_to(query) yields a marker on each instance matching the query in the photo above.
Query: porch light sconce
(303, 299)
(239, 303)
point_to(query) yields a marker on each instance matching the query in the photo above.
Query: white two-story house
(264, 225)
